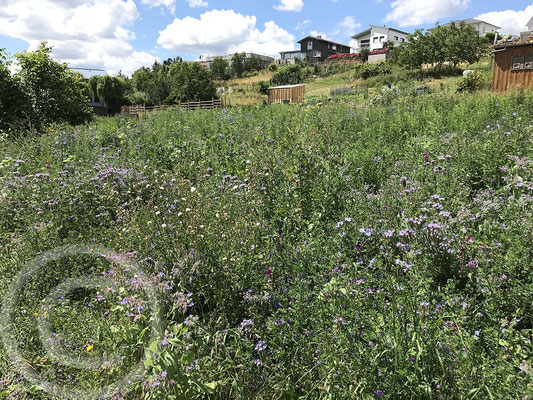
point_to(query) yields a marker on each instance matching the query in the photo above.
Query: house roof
(322, 40)
(377, 26)
(530, 23)
(505, 45)
(285, 87)
(469, 21)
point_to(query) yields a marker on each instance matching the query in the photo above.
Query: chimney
(319, 36)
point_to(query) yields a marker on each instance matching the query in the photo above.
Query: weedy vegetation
(370, 249)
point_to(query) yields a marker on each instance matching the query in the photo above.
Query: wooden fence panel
(140, 110)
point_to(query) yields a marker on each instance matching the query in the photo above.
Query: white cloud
(290, 5)
(301, 25)
(417, 12)
(170, 4)
(224, 31)
(347, 26)
(511, 21)
(84, 33)
(197, 3)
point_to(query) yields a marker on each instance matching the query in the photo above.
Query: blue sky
(126, 34)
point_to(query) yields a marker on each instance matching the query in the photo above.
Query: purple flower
(258, 362)
(379, 394)
(260, 346)
(269, 272)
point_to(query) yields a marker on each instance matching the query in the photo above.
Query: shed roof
(285, 87)
(506, 45)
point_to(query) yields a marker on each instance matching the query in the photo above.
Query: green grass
(354, 250)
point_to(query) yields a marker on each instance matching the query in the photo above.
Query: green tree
(220, 69)
(56, 93)
(15, 105)
(252, 64)
(364, 53)
(189, 82)
(109, 90)
(237, 64)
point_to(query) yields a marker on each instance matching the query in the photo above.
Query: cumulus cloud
(290, 5)
(224, 31)
(84, 33)
(417, 12)
(347, 26)
(511, 21)
(170, 4)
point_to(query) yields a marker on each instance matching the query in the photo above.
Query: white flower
(193, 189)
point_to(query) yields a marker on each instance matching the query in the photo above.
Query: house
(314, 49)
(264, 61)
(291, 94)
(513, 66)
(375, 37)
(481, 27)
(525, 36)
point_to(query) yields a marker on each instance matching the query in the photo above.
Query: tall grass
(300, 252)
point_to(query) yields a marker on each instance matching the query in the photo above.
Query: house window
(402, 40)
(396, 38)
(317, 54)
(518, 63)
(528, 64)
(334, 47)
(309, 45)
(376, 39)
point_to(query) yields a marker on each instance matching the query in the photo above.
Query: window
(484, 29)
(528, 64)
(334, 47)
(402, 40)
(381, 38)
(317, 54)
(376, 39)
(309, 45)
(518, 63)
(396, 38)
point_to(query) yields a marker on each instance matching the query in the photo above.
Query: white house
(525, 36)
(481, 27)
(376, 36)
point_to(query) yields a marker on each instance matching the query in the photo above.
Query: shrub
(291, 75)
(263, 87)
(474, 81)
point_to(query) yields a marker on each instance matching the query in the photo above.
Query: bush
(367, 70)
(474, 81)
(291, 75)
(263, 87)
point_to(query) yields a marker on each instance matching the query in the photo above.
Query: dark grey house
(314, 49)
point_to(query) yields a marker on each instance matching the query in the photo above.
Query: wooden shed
(291, 94)
(513, 66)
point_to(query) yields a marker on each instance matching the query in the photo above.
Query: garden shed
(291, 94)
(513, 66)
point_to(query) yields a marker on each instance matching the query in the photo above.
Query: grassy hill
(376, 247)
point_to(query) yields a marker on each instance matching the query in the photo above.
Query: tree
(109, 90)
(189, 82)
(220, 69)
(364, 53)
(56, 94)
(252, 64)
(237, 64)
(14, 102)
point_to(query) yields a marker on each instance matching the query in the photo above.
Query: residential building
(265, 61)
(481, 27)
(314, 49)
(526, 36)
(375, 37)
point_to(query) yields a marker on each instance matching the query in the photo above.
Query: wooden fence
(141, 110)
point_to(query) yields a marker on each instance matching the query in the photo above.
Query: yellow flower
(89, 348)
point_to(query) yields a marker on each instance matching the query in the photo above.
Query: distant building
(525, 36)
(264, 61)
(375, 37)
(314, 49)
(481, 27)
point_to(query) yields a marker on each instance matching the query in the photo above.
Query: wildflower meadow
(346, 251)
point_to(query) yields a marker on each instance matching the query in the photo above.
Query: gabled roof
(378, 26)
(470, 21)
(322, 40)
